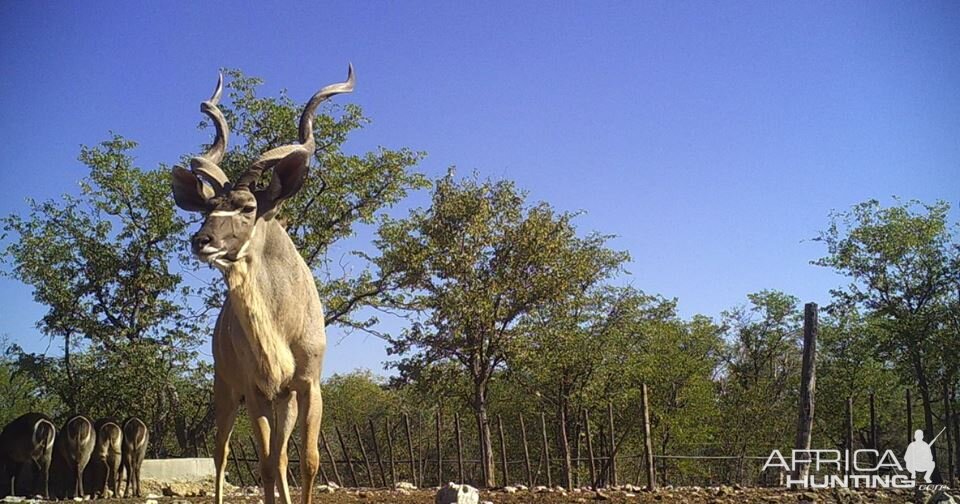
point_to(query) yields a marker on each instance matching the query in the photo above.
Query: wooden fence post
(413, 463)
(503, 452)
(546, 448)
(647, 439)
(909, 418)
(576, 451)
(393, 461)
(376, 451)
(948, 418)
(565, 446)
(613, 445)
(526, 451)
(439, 449)
(483, 453)
(848, 437)
(333, 461)
(296, 450)
(808, 384)
(461, 477)
(874, 440)
(236, 463)
(255, 475)
(593, 462)
(346, 456)
(363, 453)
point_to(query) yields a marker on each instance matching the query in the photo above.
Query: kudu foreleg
(311, 411)
(261, 414)
(225, 407)
(286, 419)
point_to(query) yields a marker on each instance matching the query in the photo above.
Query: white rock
(151, 501)
(510, 489)
(406, 485)
(333, 485)
(457, 494)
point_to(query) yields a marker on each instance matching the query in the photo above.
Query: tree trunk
(486, 443)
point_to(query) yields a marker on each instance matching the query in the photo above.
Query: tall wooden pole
(376, 451)
(333, 461)
(503, 451)
(848, 438)
(439, 449)
(546, 448)
(460, 475)
(593, 462)
(526, 451)
(613, 445)
(647, 439)
(909, 418)
(410, 453)
(808, 385)
(874, 440)
(363, 453)
(565, 446)
(393, 461)
(484, 477)
(346, 456)
(948, 417)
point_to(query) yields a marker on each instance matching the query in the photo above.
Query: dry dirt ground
(195, 494)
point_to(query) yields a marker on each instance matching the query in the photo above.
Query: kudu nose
(201, 240)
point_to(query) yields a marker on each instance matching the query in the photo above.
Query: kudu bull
(269, 340)
(28, 439)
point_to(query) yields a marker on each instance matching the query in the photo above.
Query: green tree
(761, 373)
(473, 264)
(902, 265)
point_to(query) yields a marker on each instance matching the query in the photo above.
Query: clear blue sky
(712, 137)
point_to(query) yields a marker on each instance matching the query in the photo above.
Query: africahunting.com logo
(866, 468)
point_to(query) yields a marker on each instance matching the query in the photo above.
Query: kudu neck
(269, 249)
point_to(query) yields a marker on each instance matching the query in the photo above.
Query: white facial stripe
(243, 249)
(207, 249)
(224, 213)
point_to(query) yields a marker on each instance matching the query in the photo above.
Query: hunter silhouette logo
(919, 456)
(865, 468)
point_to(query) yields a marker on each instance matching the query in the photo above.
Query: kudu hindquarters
(26, 447)
(102, 471)
(135, 439)
(73, 449)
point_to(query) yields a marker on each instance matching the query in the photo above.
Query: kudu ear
(189, 192)
(288, 177)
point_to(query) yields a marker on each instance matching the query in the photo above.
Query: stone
(457, 494)
(510, 489)
(406, 485)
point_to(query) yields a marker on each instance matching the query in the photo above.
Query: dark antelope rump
(135, 440)
(28, 439)
(102, 472)
(73, 449)
(269, 340)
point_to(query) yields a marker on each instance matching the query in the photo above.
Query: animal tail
(44, 432)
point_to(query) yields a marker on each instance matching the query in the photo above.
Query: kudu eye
(249, 208)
